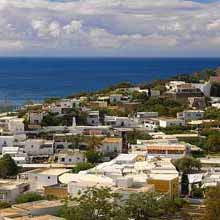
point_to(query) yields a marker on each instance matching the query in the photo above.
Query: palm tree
(94, 142)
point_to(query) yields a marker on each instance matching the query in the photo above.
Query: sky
(133, 28)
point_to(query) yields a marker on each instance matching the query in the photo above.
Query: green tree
(212, 203)
(213, 142)
(134, 135)
(197, 192)
(212, 113)
(142, 206)
(172, 207)
(75, 141)
(93, 156)
(184, 184)
(29, 197)
(51, 119)
(8, 167)
(94, 204)
(187, 165)
(139, 96)
(82, 166)
(51, 100)
(94, 142)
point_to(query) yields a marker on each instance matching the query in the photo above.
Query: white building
(70, 157)
(205, 88)
(6, 141)
(216, 105)
(111, 145)
(164, 148)
(93, 118)
(171, 122)
(190, 115)
(16, 153)
(61, 105)
(35, 117)
(10, 189)
(151, 124)
(116, 121)
(172, 85)
(40, 210)
(39, 147)
(115, 98)
(146, 115)
(80, 182)
(39, 178)
(126, 173)
(12, 124)
(155, 93)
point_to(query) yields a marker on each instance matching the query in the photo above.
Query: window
(3, 196)
(63, 159)
(48, 177)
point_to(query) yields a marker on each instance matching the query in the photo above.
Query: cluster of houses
(47, 154)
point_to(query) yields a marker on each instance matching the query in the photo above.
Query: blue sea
(23, 79)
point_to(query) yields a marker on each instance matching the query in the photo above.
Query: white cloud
(125, 27)
(73, 27)
(10, 45)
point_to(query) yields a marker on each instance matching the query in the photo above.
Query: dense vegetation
(103, 204)
(8, 167)
(212, 203)
(134, 135)
(163, 105)
(29, 197)
(82, 166)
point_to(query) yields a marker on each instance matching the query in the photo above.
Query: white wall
(170, 123)
(72, 158)
(15, 126)
(37, 147)
(38, 181)
(6, 141)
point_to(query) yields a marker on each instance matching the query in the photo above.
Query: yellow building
(165, 183)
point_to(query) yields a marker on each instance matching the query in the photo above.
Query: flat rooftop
(166, 177)
(12, 213)
(42, 204)
(49, 171)
(43, 217)
(10, 184)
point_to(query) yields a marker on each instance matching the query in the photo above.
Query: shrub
(4, 205)
(82, 166)
(29, 197)
(8, 167)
